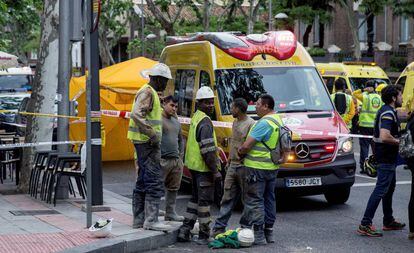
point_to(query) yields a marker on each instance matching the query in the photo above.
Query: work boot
(259, 237)
(170, 214)
(151, 217)
(184, 234)
(138, 210)
(203, 234)
(268, 232)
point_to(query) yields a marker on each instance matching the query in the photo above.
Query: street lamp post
(152, 37)
(270, 16)
(281, 19)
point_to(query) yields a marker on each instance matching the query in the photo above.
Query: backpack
(406, 147)
(340, 103)
(281, 152)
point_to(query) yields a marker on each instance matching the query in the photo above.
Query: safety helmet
(380, 87)
(245, 236)
(102, 228)
(370, 166)
(205, 93)
(159, 69)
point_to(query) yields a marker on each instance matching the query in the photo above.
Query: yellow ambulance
(235, 65)
(356, 74)
(406, 79)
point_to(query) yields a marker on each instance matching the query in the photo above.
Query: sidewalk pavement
(45, 228)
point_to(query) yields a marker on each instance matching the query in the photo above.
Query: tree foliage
(20, 26)
(113, 24)
(404, 8)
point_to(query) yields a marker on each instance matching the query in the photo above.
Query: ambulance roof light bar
(359, 63)
(280, 44)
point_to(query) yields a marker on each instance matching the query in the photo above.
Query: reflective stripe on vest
(193, 158)
(153, 119)
(371, 103)
(348, 106)
(259, 156)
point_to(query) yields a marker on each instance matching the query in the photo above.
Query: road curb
(135, 242)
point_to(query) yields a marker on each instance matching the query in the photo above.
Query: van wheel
(338, 195)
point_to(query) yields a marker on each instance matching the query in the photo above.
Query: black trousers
(411, 203)
(202, 196)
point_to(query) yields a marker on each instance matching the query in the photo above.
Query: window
(329, 82)
(294, 89)
(404, 29)
(363, 29)
(204, 79)
(184, 87)
(316, 29)
(401, 81)
(360, 82)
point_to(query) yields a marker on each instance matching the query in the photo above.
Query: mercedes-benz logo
(302, 150)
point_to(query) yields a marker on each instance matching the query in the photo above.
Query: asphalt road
(307, 224)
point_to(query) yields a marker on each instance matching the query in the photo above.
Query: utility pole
(64, 72)
(93, 129)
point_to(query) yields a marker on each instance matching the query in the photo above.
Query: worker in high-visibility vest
(145, 131)
(261, 172)
(371, 103)
(343, 102)
(202, 161)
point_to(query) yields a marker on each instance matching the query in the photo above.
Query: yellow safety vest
(371, 103)
(259, 156)
(153, 119)
(193, 159)
(348, 105)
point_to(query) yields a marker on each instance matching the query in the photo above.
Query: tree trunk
(321, 35)
(250, 22)
(370, 34)
(105, 50)
(347, 5)
(40, 129)
(206, 15)
(306, 36)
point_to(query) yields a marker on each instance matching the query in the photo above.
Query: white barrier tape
(187, 121)
(14, 124)
(26, 145)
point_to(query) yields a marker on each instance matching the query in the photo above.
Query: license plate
(301, 182)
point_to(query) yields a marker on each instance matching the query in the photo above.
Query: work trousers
(234, 187)
(149, 180)
(364, 144)
(260, 198)
(384, 190)
(202, 196)
(172, 171)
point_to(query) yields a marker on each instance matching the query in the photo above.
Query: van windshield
(359, 83)
(295, 89)
(15, 83)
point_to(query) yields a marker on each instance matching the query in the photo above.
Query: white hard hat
(205, 93)
(102, 228)
(245, 237)
(159, 69)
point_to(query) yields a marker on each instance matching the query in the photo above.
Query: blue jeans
(260, 199)
(149, 180)
(233, 191)
(384, 190)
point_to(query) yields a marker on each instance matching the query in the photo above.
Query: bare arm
(386, 137)
(247, 146)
